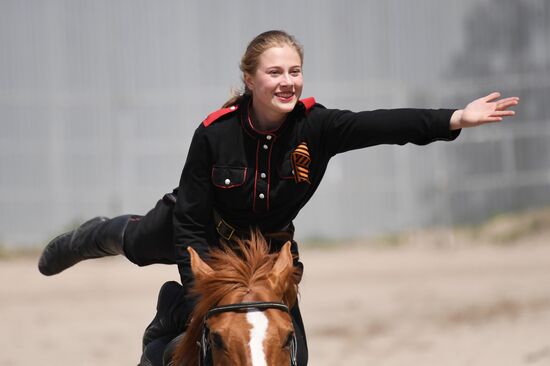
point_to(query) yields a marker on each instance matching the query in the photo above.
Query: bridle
(205, 349)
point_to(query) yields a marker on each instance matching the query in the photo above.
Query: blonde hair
(251, 57)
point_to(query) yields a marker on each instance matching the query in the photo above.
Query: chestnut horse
(242, 313)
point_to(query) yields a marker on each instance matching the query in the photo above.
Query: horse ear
(199, 267)
(282, 269)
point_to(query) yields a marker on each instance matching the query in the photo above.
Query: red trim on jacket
(218, 114)
(212, 117)
(256, 176)
(308, 103)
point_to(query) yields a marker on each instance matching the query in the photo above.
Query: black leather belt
(228, 231)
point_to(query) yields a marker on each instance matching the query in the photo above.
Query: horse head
(242, 313)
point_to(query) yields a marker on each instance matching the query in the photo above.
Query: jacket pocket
(227, 177)
(285, 170)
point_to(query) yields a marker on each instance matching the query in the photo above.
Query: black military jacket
(263, 179)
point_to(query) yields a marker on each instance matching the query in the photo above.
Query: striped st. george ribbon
(300, 163)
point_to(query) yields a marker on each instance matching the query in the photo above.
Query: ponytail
(236, 97)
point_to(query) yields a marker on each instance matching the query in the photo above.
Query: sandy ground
(449, 304)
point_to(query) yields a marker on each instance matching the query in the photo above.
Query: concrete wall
(98, 101)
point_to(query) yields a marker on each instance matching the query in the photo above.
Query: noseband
(204, 343)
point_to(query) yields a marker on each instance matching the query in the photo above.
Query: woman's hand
(483, 110)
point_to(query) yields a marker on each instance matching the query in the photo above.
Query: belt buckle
(226, 225)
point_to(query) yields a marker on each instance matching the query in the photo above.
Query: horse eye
(217, 341)
(289, 340)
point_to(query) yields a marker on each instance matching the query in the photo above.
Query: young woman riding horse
(255, 163)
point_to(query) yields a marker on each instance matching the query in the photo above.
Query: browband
(259, 305)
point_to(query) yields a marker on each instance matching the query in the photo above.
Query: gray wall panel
(99, 100)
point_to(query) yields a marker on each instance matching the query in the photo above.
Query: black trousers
(149, 240)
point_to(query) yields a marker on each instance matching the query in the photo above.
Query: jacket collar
(246, 120)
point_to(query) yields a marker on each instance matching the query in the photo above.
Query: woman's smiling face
(276, 85)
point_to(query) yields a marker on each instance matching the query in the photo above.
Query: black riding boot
(173, 309)
(96, 238)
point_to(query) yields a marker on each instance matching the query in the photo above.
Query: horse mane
(238, 267)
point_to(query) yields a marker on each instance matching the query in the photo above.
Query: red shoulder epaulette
(217, 114)
(308, 103)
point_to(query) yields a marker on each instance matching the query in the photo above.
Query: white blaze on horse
(242, 315)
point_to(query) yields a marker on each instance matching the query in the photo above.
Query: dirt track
(412, 305)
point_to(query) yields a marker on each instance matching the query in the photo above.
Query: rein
(204, 344)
